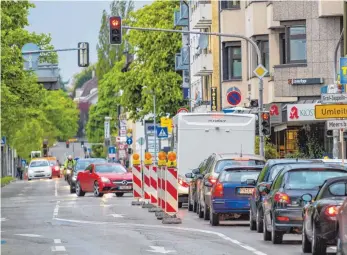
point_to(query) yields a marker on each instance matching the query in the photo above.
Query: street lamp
(154, 122)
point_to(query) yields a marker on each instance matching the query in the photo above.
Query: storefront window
(291, 141)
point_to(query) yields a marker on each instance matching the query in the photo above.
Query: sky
(70, 22)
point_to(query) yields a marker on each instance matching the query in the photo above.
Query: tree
(80, 78)
(270, 149)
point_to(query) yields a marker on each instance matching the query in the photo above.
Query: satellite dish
(203, 42)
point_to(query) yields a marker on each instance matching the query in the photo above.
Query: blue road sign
(3, 140)
(112, 150)
(343, 70)
(129, 140)
(162, 132)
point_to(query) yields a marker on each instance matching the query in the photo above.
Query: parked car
(80, 166)
(342, 237)
(39, 168)
(54, 165)
(283, 205)
(101, 178)
(195, 177)
(215, 164)
(266, 177)
(320, 227)
(230, 194)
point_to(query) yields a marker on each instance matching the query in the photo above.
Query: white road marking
(226, 238)
(57, 241)
(20, 194)
(116, 215)
(334, 248)
(56, 189)
(58, 248)
(159, 249)
(3, 219)
(28, 235)
(56, 209)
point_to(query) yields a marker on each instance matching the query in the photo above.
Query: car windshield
(310, 179)
(240, 175)
(39, 163)
(223, 164)
(82, 165)
(110, 169)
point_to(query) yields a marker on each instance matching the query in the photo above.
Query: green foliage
(270, 149)
(6, 180)
(28, 110)
(80, 78)
(98, 151)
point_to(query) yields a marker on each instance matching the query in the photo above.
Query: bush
(270, 148)
(6, 180)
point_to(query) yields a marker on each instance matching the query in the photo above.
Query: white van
(39, 168)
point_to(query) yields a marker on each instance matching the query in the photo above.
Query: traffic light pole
(255, 46)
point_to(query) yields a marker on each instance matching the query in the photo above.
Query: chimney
(93, 74)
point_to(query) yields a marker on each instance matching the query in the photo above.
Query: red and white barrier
(154, 184)
(137, 181)
(171, 192)
(146, 183)
(161, 187)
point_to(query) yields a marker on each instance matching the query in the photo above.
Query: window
(239, 175)
(232, 61)
(230, 4)
(264, 50)
(262, 42)
(293, 45)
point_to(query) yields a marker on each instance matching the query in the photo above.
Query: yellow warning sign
(330, 111)
(166, 122)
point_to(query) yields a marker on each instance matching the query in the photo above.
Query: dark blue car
(231, 192)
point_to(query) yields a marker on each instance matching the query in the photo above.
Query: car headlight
(105, 180)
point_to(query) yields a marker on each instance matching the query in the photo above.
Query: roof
(315, 166)
(292, 160)
(260, 167)
(88, 86)
(239, 155)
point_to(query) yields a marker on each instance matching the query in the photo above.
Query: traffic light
(254, 103)
(130, 151)
(83, 54)
(329, 133)
(266, 125)
(82, 144)
(257, 128)
(45, 149)
(67, 144)
(115, 30)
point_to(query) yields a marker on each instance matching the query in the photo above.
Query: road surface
(61, 152)
(42, 217)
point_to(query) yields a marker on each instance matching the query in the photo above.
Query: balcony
(201, 15)
(202, 65)
(181, 16)
(182, 60)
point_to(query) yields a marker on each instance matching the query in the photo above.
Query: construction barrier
(161, 179)
(146, 184)
(171, 192)
(137, 179)
(154, 185)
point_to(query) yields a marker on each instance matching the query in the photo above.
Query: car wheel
(276, 236)
(200, 212)
(305, 244)
(259, 221)
(319, 246)
(97, 193)
(252, 223)
(214, 218)
(266, 234)
(190, 205)
(194, 206)
(72, 189)
(79, 191)
(180, 204)
(29, 179)
(206, 213)
(119, 194)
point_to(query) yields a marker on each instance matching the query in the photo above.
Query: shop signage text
(336, 124)
(300, 112)
(214, 99)
(331, 111)
(334, 98)
(305, 81)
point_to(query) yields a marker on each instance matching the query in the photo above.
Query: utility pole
(255, 47)
(345, 28)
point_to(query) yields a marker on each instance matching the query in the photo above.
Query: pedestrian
(19, 172)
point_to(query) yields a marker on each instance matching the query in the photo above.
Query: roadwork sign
(336, 124)
(330, 111)
(334, 98)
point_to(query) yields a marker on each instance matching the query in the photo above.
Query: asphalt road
(42, 217)
(61, 152)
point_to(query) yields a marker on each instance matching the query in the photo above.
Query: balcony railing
(202, 65)
(201, 16)
(182, 60)
(181, 16)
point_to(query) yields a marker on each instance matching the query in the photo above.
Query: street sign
(121, 139)
(182, 110)
(234, 96)
(3, 140)
(166, 122)
(336, 124)
(111, 152)
(330, 111)
(129, 140)
(343, 70)
(129, 135)
(162, 132)
(71, 140)
(260, 71)
(121, 146)
(334, 98)
(122, 154)
(141, 141)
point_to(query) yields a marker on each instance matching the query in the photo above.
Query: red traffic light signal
(265, 116)
(115, 30)
(115, 22)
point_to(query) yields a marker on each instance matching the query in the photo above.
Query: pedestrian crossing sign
(162, 132)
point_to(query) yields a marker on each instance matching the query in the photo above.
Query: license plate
(124, 187)
(245, 191)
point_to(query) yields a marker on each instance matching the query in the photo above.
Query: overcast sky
(70, 22)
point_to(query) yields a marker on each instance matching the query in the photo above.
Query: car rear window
(82, 165)
(310, 179)
(38, 163)
(110, 169)
(223, 164)
(275, 170)
(53, 162)
(239, 175)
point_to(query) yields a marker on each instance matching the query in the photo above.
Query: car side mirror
(196, 171)
(207, 184)
(264, 188)
(251, 182)
(189, 175)
(306, 198)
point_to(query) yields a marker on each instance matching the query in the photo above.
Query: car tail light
(211, 179)
(218, 190)
(182, 182)
(282, 198)
(331, 211)
(56, 168)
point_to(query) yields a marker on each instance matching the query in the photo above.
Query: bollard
(137, 180)
(171, 191)
(147, 180)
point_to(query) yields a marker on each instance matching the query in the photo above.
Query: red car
(101, 178)
(54, 165)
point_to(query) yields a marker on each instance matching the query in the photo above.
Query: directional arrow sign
(160, 249)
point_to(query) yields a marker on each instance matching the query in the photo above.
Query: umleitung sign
(330, 111)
